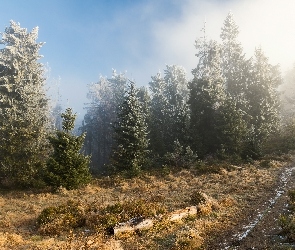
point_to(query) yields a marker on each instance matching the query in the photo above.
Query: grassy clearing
(230, 189)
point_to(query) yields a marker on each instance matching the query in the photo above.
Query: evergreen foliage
(67, 166)
(263, 98)
(106, 96)
(207, 96)
(287, 97)
(24, 111)
(229, 109)
(169, 109)
(131, 133)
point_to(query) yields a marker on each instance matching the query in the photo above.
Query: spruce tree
(106, 96)
(24, 113)
(67, 166)
(234, 64)
(216, 122)
(235, 70)
(169, 110)
(262, 96)
(131, 133)
(207, 97)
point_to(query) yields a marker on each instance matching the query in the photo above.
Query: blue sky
(87, 38)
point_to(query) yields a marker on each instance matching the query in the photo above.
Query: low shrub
(108, 217)
(55, 220)
(197, 198)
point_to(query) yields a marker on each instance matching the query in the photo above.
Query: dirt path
(258, 228)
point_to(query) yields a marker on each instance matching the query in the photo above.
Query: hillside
(242, 206)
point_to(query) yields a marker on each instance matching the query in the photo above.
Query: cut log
(179, 214)
(133, 225)
(140, 223)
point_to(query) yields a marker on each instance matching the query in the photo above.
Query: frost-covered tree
(263, 98)
(169, 110)
(106, 96)
(215, 123)
(67, 166)
(234, 64)
(207, 96)
(235, 70)
(131, 132)
(23, 107)
(288, 96)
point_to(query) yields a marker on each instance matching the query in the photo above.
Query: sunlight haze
(86, 39)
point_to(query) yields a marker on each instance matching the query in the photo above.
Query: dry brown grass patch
(229, 190)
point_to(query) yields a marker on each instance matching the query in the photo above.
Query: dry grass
(229, 190)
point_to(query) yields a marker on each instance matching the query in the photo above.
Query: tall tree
(106, 96)
(236, 70)
(288, 96)
(234, 64)
(263, 98)
(207, 96)
(23, 106)
(215, 123)
(130, 134)
(169, 110)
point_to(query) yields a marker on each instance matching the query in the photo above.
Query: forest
(232, 109)
(235, 111)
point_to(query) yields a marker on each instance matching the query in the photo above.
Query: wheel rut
(260, 229)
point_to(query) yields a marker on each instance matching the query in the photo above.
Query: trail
(261, 228)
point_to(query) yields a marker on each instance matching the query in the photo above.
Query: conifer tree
(216, 125)
(288, 97)
(24, 113)
(207, 96)
(236, 70)
(169, 110)
(131, 133)
(106, 96)
(234, 64)
(263, 99)
(67, 166)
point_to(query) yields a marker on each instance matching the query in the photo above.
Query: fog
(144, 37)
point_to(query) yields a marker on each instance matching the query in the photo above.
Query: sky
(86, 39)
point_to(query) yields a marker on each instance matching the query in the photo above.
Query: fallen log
(140, 223)
(133, 225)
(179, 214)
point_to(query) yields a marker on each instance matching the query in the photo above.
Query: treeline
(229, 110)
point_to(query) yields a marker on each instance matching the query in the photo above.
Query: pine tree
(106, 96)
(235, 70)
(288, 97)
(207, 96)
(234, 64)
(216, 122)
(24, 110)
(67, 166)
(263, 99)
(131, 133)
(169, 110)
